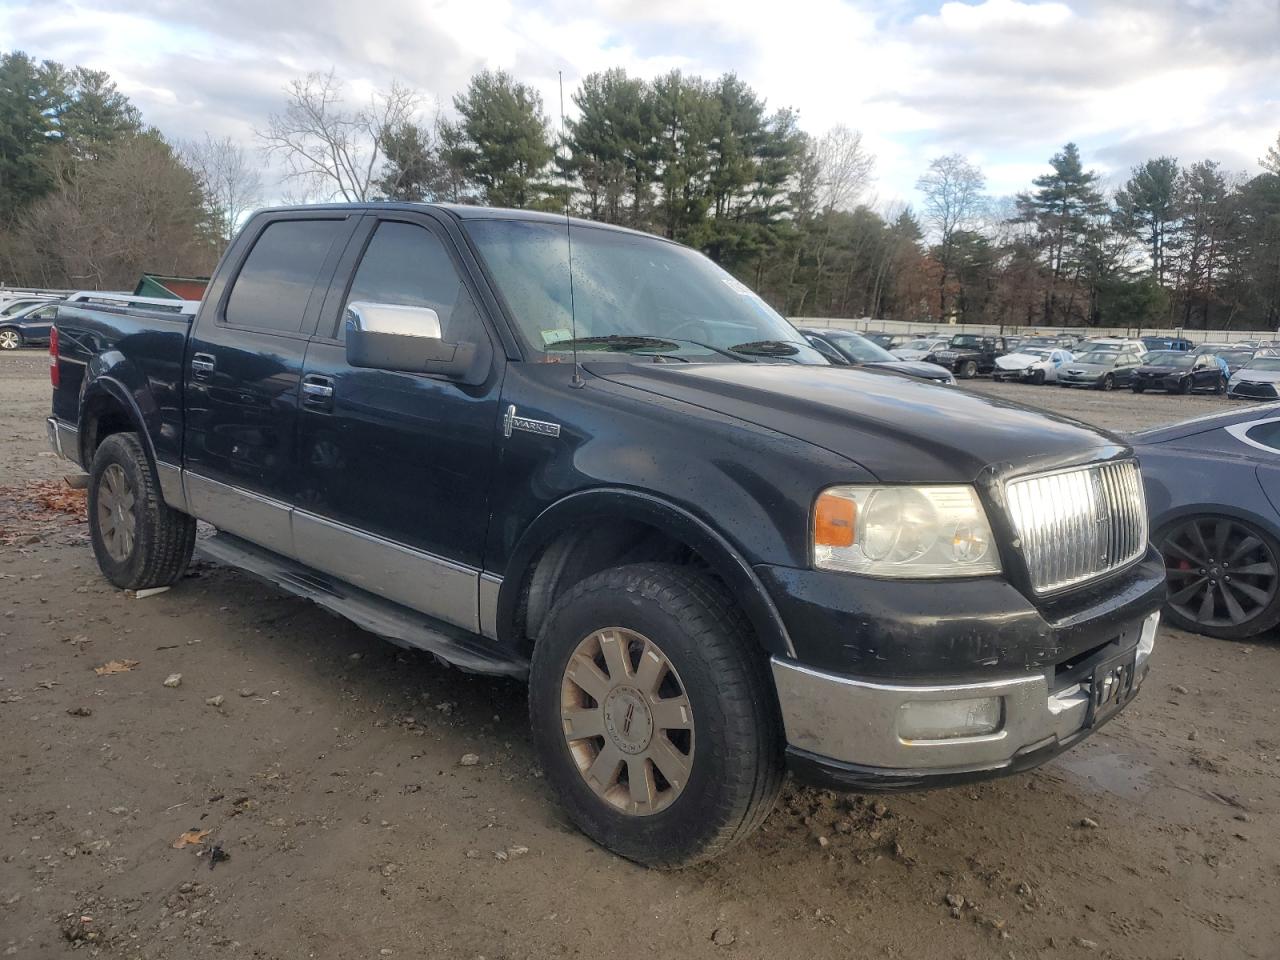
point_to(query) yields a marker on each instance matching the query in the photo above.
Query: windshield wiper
(766, 348)
(626, 343)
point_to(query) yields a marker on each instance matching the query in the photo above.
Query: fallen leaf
(115, 666)
(190, 838)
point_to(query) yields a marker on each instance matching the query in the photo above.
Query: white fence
(863, 324)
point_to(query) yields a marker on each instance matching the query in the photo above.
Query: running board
(400, 625)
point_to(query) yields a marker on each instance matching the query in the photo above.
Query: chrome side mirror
(393, 336)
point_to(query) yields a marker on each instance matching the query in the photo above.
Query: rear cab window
(278, 277)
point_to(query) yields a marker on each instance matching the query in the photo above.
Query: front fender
(585, 506)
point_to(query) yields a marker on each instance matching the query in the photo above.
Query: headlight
(1029, 371)
(900, 531)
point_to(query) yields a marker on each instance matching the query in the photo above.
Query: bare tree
(231, 183)
(329, 148)
(952, 188)
(844, 168)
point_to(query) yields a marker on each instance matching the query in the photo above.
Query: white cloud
(1005, 81)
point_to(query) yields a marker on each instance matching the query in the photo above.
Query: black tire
(737, 741)
(1185, 385)
(1037, 378)
(968, 370)
(161, 539)
(1138, 387)
(1108, 383)
(1222, 386)
(1239, 558)
(11, 338)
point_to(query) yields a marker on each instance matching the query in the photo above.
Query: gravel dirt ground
(327, 765)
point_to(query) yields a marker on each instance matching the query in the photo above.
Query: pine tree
(1146, 208)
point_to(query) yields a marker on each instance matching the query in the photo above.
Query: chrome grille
(1076, 525)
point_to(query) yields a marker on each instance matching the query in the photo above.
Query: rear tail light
(53, 356)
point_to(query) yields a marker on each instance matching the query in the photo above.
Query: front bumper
(1250, 390)
(846, 732)
(1080, 381)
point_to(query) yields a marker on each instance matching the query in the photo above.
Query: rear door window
(1265, 434)
(276, 281)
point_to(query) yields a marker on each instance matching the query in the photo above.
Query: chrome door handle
(317, 391)
(320, 391)
(203, 364)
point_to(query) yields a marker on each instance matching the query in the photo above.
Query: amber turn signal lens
(833, 521)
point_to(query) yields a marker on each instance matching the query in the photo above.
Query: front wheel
(654, 716)
(138, 540)
(1138, 387)
(10, 339)
(1184, 386)
(1224, 576)
(1108, 382)
(1221, 387)
(1037, 378)
(968, 370)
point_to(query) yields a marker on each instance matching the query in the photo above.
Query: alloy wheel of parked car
(10, 339)
(969, 369)
(1223, 577)
(1185, 385)
(1038, 378)
(1138, 387)
(1221, 387)
(1108, 382)
(116, 519)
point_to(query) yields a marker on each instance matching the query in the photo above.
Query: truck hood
(897, 429)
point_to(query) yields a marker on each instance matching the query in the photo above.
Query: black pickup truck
(542, 447)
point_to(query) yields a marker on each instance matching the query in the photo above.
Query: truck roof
(464, 211)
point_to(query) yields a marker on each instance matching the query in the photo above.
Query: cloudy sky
(1004, 81)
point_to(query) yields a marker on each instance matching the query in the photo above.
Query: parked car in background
(713, 555)
(16, 305)
(846, 348)
(889, 341)
(1060, 341)
(1256, 380)
(1031, 364)
(29, 327)
(968, 354)
(1211, 347)
(1103, 366)
(919, 348)
(1237, 358)
(1212, 486)
(1167, 343)
(1093, 342)
(1178, 371)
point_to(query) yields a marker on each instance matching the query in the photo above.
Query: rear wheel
(137, 539)
(1224, 576)
(10, 339)
(653, 714)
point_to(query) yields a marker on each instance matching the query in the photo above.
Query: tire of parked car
(1224, 576)
(1108, 383)
(1221, 387)
(1184, 386)
(653, 715)
(1138, 387)
(138, 540)
(10, 338)
(968, 369)
(1038, 378)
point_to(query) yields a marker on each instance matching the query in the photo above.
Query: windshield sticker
(558, 335)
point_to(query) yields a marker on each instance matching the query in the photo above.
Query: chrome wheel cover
(116, 520)
(627, 721)
(9, 340)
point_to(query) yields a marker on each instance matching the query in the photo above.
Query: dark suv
(968, 355)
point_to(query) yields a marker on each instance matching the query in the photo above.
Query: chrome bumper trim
(64, 439)
(855, 721)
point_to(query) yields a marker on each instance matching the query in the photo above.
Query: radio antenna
(577, 382)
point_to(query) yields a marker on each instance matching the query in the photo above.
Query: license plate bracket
(1113, 685)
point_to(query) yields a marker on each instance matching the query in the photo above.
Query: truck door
(244, 366)
(397, 466)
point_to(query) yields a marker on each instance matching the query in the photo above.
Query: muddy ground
(330, 774)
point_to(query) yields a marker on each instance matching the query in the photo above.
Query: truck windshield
(627, 287)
